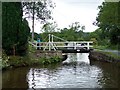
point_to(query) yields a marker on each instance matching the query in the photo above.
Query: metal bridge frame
(51, 45)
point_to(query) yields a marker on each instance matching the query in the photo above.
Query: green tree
(40, 9)
(23, 36)
(95, 42)
(109, 20)
(15, 31)
(74, 32)
(49, 27)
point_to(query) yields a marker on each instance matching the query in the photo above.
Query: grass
(29, 59)
(110, 54)
(111, 47)
(99, 47)
(20, 61)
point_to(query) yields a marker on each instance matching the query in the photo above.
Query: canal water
(77, 71)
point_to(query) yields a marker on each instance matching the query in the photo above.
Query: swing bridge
(64, 45)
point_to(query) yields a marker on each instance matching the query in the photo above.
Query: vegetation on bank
(29, 59)
(105, 57)
(109, 47)
(20, 61)
(115, 56)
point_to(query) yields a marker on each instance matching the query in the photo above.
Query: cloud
(69, 11)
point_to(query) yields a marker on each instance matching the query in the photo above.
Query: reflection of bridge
(63, 45)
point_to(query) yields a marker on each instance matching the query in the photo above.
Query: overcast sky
(67, 12)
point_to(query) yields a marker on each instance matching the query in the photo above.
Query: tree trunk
(14, 50)
(33, 22)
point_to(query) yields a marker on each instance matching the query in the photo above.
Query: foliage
(109, 20)
(49, 27)
(76, 27)
(15, 30)
(95, 42)
(4, 60)
(49, 60)
(73, 32)
(110, 54)
(40, 9)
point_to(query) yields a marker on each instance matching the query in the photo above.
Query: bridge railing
(67, 45)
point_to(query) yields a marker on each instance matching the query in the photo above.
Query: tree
(15, 30)
(76, 26)
(95, 42)
(109, 20)
(39, 9)
(49, 27)
(74, 32)
(23, 36)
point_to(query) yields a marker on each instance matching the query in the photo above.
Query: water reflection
(110, 74)
(83, 57)
(78, 58)
(72, 75)
(15, 78)
(75, 72)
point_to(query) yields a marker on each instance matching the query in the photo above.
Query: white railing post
(36, 45)
(49, 43)
(75, 45)
(88, 46)
(52, 38)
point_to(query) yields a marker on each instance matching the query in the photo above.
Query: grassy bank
(103, 47)
(30, 59)
(105, 57)
(110, 54)
(21, 61)
(100, 48)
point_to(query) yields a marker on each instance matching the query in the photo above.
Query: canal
(77, 71)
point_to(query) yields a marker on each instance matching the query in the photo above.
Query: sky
(67, 12)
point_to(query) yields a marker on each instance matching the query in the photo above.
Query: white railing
(63, 44)
(57, 45)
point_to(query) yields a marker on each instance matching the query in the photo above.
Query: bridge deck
(66, 45)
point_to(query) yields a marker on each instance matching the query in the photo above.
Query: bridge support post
(49, 43)
(88, 47)
(36, 45)
(75, 45)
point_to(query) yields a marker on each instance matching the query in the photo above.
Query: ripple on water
(77, 73)
(84, 76)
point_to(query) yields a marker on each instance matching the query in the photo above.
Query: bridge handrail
(68, 46)
(69, 42)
